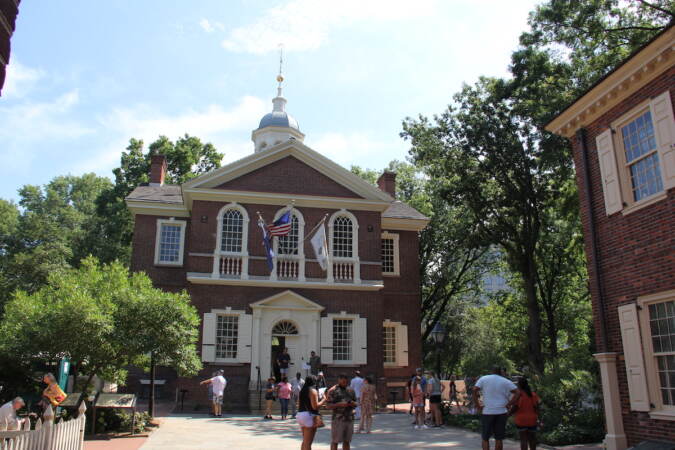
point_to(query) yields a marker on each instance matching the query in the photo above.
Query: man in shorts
(218, 384)
(284, 360)
(342, 400)
(497, 392)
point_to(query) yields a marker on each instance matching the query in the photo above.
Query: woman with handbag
(524, 406)
(308, 412)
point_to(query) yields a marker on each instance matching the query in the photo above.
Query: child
(269, 397)
(418, 402)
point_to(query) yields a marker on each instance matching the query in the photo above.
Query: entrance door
(278, 344)
(292, 343)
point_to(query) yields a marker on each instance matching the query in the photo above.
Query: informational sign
(116, 401)
(64, 371)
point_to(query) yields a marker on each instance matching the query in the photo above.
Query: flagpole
(317, 226)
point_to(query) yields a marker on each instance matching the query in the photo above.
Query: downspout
(581, 139)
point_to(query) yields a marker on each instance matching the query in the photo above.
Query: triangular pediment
(275, 171)
(287, 300)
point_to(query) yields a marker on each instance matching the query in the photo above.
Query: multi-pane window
(169, 243)
(642, 158)
(389, 340)
(388, 256)
(342, 339)
(289, 244)
(343, 236)
(233, 231)
(662, 325)
(227, 335)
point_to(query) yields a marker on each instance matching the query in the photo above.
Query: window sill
(663, 414)
(344, 364)
(168, 264)
(644, 202)
(390, 274)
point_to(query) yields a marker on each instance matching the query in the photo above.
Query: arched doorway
(285, 334)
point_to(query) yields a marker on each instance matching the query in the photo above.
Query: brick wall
(636, 254)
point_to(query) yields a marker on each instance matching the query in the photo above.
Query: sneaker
(417, 427)
(424, 427)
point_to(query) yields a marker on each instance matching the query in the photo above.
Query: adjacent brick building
(623, 137)
(362, 311)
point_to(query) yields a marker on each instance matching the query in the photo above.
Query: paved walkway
(233, 432)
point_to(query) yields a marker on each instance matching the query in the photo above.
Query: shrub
(114, 420)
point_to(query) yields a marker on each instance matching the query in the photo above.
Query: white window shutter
(611, 185)
(209, 337)
(664, 129)
(632, 353)
(326, 340)
(244, 338)
(360, 341)
(401, 345)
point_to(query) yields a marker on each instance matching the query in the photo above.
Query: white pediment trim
(300, 151)
(287, 300)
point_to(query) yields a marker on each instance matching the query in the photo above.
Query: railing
(287, 268)
(47, 435)
(345, 271)
(230, 266)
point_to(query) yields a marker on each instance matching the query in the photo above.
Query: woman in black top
(308, 407)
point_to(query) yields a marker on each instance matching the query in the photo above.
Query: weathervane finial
(280, 77)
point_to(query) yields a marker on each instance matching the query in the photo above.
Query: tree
(103, 319)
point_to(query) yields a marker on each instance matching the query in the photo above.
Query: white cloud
(305, 24)
(209, 26)
(20, 79)
(357, 148)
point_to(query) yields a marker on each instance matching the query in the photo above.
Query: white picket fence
(47, 435)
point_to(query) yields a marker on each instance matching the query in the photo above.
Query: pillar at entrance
(615, 438)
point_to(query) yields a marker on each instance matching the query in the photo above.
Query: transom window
(227, 336)
(284, 328)
(388, 256)
(289, 244)
(343, 236)
(642, 158)
(662, 325)
(232, 231)
(342, 339)
(389, 340)
(169, 243)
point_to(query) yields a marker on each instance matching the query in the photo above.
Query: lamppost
(438, 336)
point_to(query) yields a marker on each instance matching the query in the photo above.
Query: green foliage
(110, 420)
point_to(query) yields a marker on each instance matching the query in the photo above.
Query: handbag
(318, 421)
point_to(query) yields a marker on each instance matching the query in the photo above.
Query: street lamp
(438, 336)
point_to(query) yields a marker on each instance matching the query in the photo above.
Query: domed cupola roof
(279, 119)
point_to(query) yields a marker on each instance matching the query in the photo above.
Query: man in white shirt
(296, 386)
(497, 392)
(8, 414)
(357, 384)
(218, 384)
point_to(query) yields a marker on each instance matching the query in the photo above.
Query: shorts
(284, 371)
(217, 399)
(305, 419)
(534, 428)
(341, 431)
(435, 398)
(493, 425)
(418, 405)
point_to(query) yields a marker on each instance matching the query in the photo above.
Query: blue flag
(268, 244)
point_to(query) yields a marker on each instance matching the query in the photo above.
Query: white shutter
(401, 345)
(326, 340)
(611, 185)
(209, 337)
(632, 353)
(244, 338)
(360, 341)
(664, 129)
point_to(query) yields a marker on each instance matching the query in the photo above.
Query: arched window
(290, 244)
(343, 237)
(232, 233)
(231, 252)
(284, 328)
(344, 266)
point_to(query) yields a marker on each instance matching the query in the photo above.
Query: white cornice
(205, 278)
(636, 72)
(158, 209)
(390, 223)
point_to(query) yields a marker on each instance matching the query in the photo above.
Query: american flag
(281, 226)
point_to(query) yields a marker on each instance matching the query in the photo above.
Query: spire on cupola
(278, 126)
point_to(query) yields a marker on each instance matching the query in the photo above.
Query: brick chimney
(157, 170)
(387, 182)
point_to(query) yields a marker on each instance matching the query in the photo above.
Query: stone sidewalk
(233, 432)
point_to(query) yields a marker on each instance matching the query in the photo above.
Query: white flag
(320, 246)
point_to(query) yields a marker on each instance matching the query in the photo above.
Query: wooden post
(82, 417)
(48, 426)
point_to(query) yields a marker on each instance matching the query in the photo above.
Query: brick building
(362, 312)
(9, 9)
(623, 137)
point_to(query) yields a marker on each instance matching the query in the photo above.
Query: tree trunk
(552, 331)
(535, 356)
(83, 395)
(151, 401)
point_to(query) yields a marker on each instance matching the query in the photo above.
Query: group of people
(423, 386)
(52, 395)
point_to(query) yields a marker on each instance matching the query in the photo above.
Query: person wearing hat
(357, 384)
(218, 384)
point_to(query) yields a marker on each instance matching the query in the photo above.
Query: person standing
(418, 402)
(435, 392)
(453, 394)
(342, 400)
(308, 409)
(217, 383)
(526, 418)
(367, 403)
(356, 385)
(284, 361)
(321, 385)
(53, 394)
(269, 397)
(284, 390)
(8, 414)
(497, 392)
(314, 363)
(296, 386)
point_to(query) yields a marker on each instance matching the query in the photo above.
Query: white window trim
(217, 253)
(158, 237)
(300, 257)
(229, 312)
(394, 325)
(355, 245)
(397, 259)
(659, 410)
(344, 316)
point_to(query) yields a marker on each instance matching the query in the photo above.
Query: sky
(86, 76)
